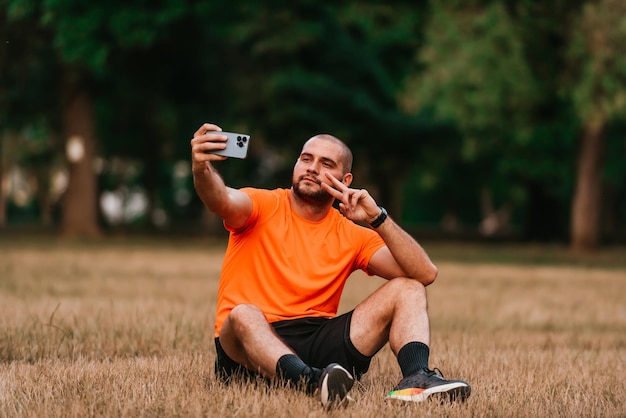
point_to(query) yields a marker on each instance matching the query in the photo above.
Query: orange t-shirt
(288, 266)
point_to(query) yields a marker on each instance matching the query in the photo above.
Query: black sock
(291, 368)
(413, 357)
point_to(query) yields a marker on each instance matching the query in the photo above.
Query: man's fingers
(206, 127)
(206, 139)
(354, 199)
(332, 191)
(338, 184)
(348, 196)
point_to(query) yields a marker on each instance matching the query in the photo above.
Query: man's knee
(403, 287)
(244, 314)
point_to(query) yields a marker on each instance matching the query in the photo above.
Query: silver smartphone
(236, 145)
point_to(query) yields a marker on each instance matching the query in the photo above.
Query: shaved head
(346, 155)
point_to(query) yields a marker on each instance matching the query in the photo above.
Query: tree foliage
(466, 108)
(472, 70)
(522, 86)
(597, 60)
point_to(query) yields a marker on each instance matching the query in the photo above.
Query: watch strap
(381, 218)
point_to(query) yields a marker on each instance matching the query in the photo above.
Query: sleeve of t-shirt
(370, 242)
(263, 201)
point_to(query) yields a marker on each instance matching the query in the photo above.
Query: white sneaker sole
(456, 390)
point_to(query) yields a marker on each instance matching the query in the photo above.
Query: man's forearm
(210, 188)
(232, 205)
(407, 252)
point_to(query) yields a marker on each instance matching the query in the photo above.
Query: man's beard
(317, 198)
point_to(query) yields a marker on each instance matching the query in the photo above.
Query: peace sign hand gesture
(356, 205)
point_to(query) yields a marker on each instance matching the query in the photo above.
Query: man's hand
(232, 205)
(356, 205)
(205, 140)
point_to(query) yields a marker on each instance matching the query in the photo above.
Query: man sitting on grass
(288, 257)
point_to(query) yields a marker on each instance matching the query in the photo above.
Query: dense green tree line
(475, 114)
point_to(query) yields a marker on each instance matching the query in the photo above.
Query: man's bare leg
(397, 313)
(248, 339)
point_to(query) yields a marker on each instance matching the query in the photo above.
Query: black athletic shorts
(317, 341)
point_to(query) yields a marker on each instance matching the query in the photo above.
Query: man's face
(318, 157)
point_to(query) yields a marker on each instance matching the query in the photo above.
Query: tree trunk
(4, 111)
(586, 205)
(3, 206)
(80, 215)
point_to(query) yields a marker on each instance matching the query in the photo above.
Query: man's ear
(347, 179)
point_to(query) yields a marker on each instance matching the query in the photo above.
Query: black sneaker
(419, 386)
(333, 386)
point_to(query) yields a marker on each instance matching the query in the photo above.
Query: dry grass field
(124, 329)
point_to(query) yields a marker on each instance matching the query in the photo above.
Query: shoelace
(434, 372)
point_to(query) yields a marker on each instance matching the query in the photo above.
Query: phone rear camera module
(241, 141)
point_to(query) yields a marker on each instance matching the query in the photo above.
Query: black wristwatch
(381, 218)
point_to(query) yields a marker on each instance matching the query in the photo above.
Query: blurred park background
(475, 119)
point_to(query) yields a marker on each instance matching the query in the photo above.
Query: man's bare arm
(402, 256)
(230, 204)
(403, 252)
